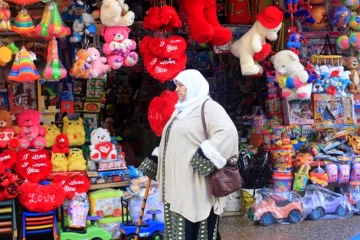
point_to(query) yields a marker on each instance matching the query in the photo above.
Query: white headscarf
(197, 91)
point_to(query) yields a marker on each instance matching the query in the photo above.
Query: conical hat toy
(25, 67)
(14, 72)
(23, 23)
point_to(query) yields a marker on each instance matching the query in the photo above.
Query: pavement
(233, 228)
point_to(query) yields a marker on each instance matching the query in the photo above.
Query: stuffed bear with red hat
(252, 47)
(203, 23)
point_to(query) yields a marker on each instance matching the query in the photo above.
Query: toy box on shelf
(297, 111)
(335, 108)
(357, 108)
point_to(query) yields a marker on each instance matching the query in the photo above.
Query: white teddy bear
(116, 13)
(266, 27)
(291, 75)
(101, 146)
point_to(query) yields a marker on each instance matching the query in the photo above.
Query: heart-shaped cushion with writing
(8, 159)
(33, 166)
(41, 198)
(75, 184)
(173, 47)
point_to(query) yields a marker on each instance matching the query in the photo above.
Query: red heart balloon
(164, 69)
(41, 198)
(173, 47)
(160, 111)
(8, 158)
(265, 51)
(76, 184)
(33, 166)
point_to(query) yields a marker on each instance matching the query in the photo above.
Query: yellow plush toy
(76, 160)
(59, 162)
(75, 131)
(50, 134)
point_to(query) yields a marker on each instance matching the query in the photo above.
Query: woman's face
(181, 91)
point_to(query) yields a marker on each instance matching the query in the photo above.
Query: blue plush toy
(318, 85)
(344, 82)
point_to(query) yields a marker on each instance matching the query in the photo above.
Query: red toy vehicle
(270, 208)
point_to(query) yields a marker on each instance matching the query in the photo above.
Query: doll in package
(78, 210)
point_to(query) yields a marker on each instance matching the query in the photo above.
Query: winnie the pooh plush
(75, 131)
(7, 131)
(116, 13)
(101, 146)
(59, 162)
(253, 42)
(291, 75)
(76, 160)
(50, 134)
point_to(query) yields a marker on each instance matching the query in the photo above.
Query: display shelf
(109, 185)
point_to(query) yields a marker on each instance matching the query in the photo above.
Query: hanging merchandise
(164, 18)
(5, 55)
(81, 66)
(83, 25)
(23, 24)
(98, 64)
(51, 24)
(253, 43)
(24, 2)
(118, 48)
(116, 13)
(23, 68)
(5, 15)
(294, 40)
(54, 69)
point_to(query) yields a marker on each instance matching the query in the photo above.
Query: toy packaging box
(298, 112)
(335, 108)
(357, 108)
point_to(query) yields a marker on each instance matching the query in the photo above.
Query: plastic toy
(23, 23)
(150, 228)
(352, 64)
(294, 40)
(355, 172)
(106, 202)
(332, 172)
(319, 176)
(292, 6)
(31, 132)
(5, 55)
(5, 15)
(116, 13)
(318, 202)
(74, 129)
(354, 142)
(271, 207)
(54, 69)
(61, 144)
(76, 160)
(301, 178)
(50, 134)
(78, 211)
(23, 68)
(344, 173)
(59, 162)
(339, 16)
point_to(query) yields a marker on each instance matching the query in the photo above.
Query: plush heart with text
(8, 159)
(76, 184)
(173, 47)
(34, 166)
(41, 198)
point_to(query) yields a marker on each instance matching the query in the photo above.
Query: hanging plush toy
(23, 23)
(54, 69)
(5, 15)
(78, 28)
(294, 40)
(164, 18)
(252, 43)
(81, 67)
(23, 68)
(203, 23)
(116, 13)
(98, 64)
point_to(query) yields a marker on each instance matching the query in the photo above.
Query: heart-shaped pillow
(33, 166)
(163, 69)
(8, 159)
(76, 184)
(41, 198)
(160, 111)
(174, 47)
(265, 51)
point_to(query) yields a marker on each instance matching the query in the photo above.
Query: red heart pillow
(33, 166)
(174, 47)
(38, 198)
(164, 69)
(8, 159)
(76, 184)
(160, 111)
(265, 51)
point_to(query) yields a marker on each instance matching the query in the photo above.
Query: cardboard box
(297, 112)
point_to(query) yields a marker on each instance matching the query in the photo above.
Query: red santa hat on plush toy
(271, 17)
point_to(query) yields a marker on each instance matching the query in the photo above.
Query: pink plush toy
(31, 132)
(118, 47)
(98, 63)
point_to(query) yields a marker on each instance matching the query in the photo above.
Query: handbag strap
(203, 120)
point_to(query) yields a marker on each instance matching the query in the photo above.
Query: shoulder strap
(203, 119)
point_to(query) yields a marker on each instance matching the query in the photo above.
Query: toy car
(352, 191)
(150, 228)
(270, 207)
(319, 201)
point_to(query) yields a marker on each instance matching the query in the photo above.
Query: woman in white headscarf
(185, 158)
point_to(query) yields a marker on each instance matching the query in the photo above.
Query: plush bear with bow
(116, 13)
(101, 146)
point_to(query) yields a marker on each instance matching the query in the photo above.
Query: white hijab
(197, 91)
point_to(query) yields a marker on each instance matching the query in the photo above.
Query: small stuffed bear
(81, 66)
(31, 132)
(50, 134)
(59, 162)
(118, 47)
(291, 75)
(352, 64)
(98, 64)
(76, 160)
(61, 144)
(101, 146)
(253, 42)
(116, 13)
(7, 131)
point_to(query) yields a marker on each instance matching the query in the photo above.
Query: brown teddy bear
(352, 64)
(7, 131)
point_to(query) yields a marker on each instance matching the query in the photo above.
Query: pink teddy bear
(31, 132)
(98, 63)
(118, 47)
